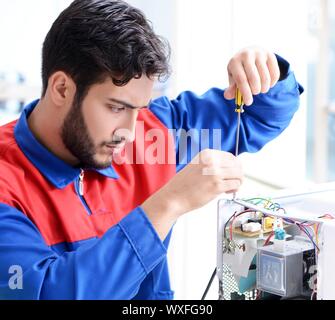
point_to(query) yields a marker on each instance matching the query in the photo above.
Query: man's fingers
(252, 73)
(232, 191)
(273, 68)
(241, 80)
(224, 173)
(232, 174)
(264, 74)
(229, 93)
(230, 186)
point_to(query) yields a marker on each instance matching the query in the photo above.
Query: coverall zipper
(80, 190)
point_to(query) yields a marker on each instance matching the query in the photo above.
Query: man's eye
(116, 109)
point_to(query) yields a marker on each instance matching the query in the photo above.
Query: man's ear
(61, 88)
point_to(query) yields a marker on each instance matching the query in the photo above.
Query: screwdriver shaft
(237, 133)
(239, 109)
(237, 140)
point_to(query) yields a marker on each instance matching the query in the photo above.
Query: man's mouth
(115, 148)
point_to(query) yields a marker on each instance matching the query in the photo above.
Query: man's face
(105, 121)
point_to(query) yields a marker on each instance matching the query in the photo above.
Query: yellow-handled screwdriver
(239, 109)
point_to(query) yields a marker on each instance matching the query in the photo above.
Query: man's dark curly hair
(92, 40)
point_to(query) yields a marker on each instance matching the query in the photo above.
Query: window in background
(23, 27)
(331, 159)
(314, 21)
(321, 92)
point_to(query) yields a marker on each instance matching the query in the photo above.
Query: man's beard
(78, 141)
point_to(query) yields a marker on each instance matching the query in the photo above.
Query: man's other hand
(210, 173)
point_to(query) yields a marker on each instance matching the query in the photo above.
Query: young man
(77, 221)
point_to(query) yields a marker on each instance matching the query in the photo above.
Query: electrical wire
(209, 285)
(303, 229)
(276, 207)
(268, 238)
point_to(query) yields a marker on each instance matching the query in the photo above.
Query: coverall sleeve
(112, 267)
(209, 120)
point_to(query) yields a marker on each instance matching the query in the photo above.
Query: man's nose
(127, 129)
